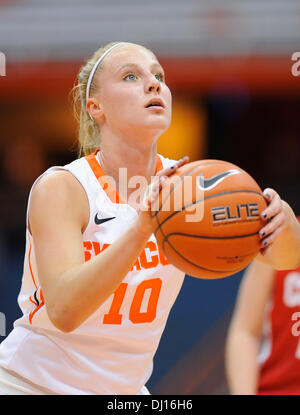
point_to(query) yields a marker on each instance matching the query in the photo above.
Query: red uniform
(280, 369)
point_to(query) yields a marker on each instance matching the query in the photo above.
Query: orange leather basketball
(221, 237)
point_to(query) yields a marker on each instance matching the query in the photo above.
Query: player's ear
(94, 108)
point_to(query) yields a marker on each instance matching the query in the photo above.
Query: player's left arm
(280, 235)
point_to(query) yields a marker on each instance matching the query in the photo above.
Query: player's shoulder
(57, 186)
(55, 180)
(58, 194)
(60, 177)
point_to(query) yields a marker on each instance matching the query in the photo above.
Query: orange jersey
(280, 369)
(112, 351)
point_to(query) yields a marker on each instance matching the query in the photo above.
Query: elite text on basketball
(248, 211)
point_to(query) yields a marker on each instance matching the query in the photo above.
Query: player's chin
(158, 121)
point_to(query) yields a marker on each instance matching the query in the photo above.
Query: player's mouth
(155, 104)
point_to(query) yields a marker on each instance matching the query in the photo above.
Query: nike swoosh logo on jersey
(99, 221)
(206, 184)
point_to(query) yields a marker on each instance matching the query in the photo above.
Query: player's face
(133, 94)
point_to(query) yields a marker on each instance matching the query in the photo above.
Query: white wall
(68, 29)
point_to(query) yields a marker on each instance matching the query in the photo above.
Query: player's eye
(130, 77)
(160, 77)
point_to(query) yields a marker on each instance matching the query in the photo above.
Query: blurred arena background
(228, 64)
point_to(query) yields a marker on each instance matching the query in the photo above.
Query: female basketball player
(96, 290)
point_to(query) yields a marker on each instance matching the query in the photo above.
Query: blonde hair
(88, 131)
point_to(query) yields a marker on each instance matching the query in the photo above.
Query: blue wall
(200, 304)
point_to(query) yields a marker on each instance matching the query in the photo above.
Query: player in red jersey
(263, 345)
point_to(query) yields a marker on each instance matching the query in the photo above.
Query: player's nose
(152, 84)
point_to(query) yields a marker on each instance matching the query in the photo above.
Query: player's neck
(137, 160)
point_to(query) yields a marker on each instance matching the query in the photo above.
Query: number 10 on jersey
(136, 316)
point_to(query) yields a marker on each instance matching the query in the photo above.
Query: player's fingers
(267, 193)
(274, 204)
(276, 222)
(153, 190)
(271, 238)
(158, 181)
(160, 178)
(172, 169)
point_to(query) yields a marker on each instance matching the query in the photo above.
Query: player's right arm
(74, 289)
(244, 335)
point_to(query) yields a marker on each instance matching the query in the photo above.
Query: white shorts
(12, 384)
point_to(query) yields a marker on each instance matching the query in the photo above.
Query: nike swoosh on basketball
(99, 221)
(206, 184)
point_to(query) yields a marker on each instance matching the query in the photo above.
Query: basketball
(208, 219)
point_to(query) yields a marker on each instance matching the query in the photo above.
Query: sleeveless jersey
(280, 368)
(112, 351)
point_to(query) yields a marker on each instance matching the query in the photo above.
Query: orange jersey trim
(159, 165)
(41, 294)
(33, 302)
(34, 311)
(29, 263)
(107, 186)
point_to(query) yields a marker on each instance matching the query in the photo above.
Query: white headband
(88, 85)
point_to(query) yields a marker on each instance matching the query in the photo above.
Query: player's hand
(145, 220)
(275, 217)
